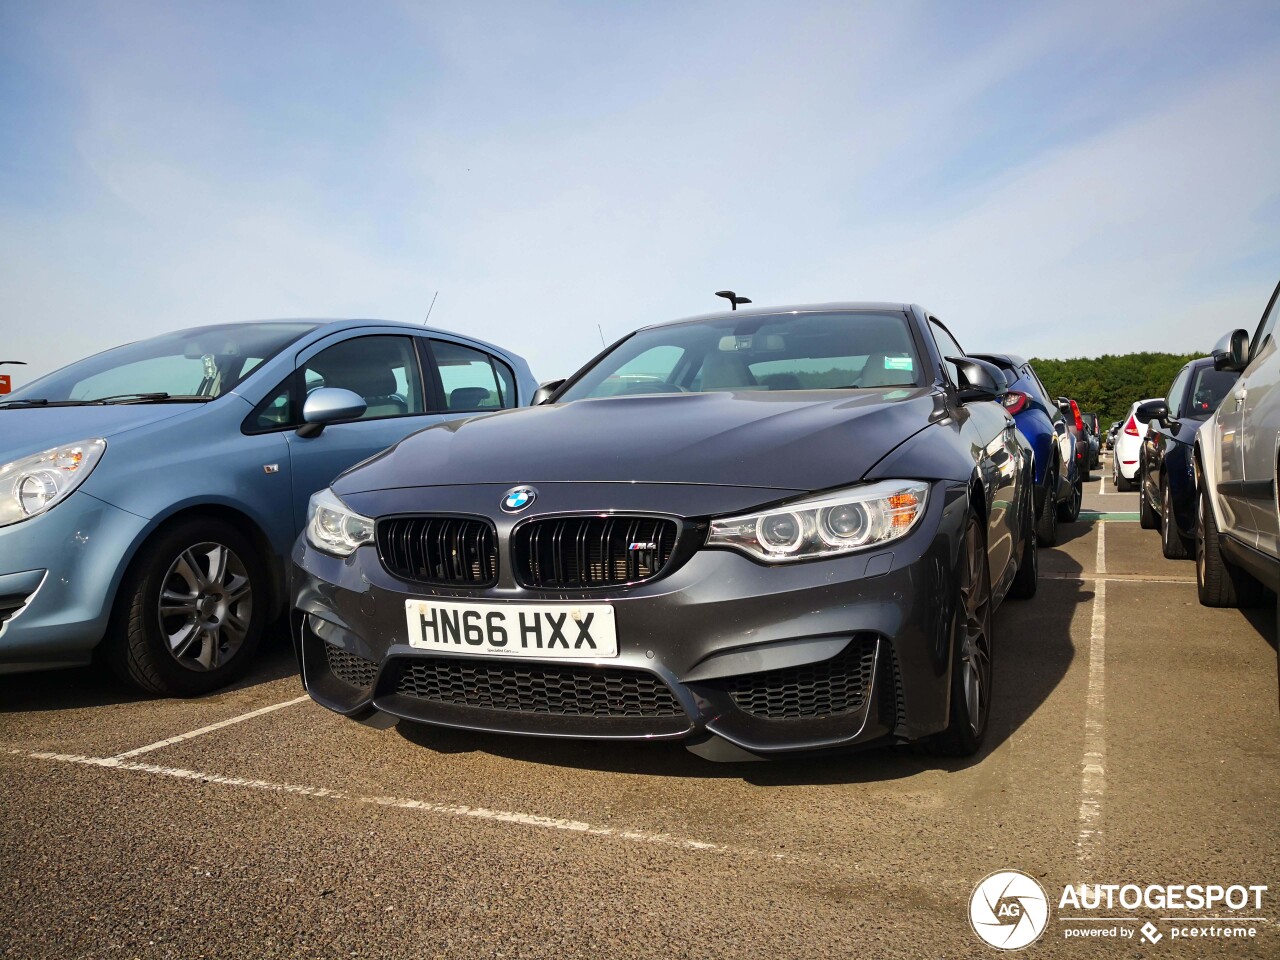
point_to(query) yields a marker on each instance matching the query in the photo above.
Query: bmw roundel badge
(517, 498)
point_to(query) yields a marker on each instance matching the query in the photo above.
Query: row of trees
(1107, 385)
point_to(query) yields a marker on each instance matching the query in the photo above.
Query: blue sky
(1052, 179)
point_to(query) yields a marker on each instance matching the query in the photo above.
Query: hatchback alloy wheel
(206, 604)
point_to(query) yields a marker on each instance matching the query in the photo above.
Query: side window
(471, 379)
(1175, 393)
(276, 411)
(948, 347)
(382, 369)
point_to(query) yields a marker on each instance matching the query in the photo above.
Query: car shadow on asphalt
(1033, 653)
(97, 685)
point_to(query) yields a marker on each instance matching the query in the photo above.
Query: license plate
(561, 631)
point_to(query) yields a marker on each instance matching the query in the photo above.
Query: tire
(1028, 578)
(1047, 527)
(1122, 484)
(216, 585)
(1069, 510)
(1219, 583)
(1173, 544)
(1147, 517)
(971, 671)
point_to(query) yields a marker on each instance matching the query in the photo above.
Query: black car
(1167, 490)
(755, 532)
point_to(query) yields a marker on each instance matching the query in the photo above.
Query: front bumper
(58, 573)
(832, 653)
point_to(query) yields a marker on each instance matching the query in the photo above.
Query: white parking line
(445, 809)
(1093, 774)
(209, 729)
(1116, 578)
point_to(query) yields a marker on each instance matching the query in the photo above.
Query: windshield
(1209, 390)
(793, 351)
(203, 363)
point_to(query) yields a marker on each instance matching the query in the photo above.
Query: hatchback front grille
(565, 690)
(584, 552)
(348, 667)
(830, 688)
(457, 551)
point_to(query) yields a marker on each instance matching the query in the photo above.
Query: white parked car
(1128, 444)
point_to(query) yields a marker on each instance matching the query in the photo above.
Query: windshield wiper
(150, 398)
(19, 402)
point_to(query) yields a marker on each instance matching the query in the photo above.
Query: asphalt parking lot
(1135, 740)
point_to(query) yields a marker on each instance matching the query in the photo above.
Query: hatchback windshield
(792, 351)
(202, 363)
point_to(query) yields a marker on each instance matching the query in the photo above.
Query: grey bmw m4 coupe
(757, 532)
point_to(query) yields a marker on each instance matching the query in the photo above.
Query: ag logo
(517, 498)
(1009, 910)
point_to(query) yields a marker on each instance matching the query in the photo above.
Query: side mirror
(980, 380)
(329, 405)
(1157, 410)
(545, 390)
(1232, 351)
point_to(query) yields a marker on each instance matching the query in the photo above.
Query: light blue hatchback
(149, 494)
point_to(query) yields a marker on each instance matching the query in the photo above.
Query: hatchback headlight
(826, 526)
(335, 528)
(32, 485)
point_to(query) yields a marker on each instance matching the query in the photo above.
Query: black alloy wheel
(1172, 543)
(971, 669)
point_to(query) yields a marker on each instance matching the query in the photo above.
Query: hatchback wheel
(971, 671)
(191, 612)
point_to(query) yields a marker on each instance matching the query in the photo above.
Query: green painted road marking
(1107, 516)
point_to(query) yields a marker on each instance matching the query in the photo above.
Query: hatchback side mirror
(544, 391)
(1157, 410)
(329, 405)
(1232, 351)
(979, 380)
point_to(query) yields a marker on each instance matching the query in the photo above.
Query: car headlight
(826, 526)
(32, 485)
(333, 527)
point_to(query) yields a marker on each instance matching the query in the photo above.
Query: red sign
(5, 386)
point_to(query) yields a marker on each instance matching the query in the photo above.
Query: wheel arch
(226, 513)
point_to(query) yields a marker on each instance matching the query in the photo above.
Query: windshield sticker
(897, 363)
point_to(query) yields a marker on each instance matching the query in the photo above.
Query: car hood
(788, 440)
(30, 430)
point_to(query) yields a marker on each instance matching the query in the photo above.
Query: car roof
(841, 306)
(323, 326)
(1002, 359)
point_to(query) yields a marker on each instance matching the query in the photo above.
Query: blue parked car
(1167, 494)
(150, 494)
(1059, 488)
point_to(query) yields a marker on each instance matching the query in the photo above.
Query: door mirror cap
(329, 405)
(1232, 351)
(1157, 410)
(980, 380)
(544, 391)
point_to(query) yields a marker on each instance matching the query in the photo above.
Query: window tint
(277, 410)
(1208, 390)
(948, 347)
(381, 369)
(472, 379)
